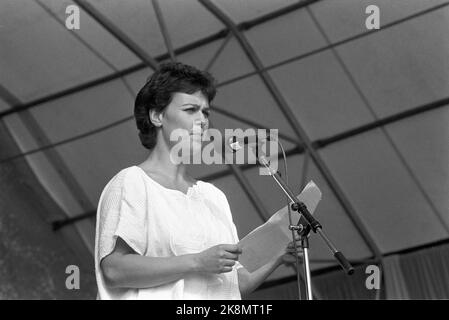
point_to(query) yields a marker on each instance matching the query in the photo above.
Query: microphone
(233, 141)
(236, 143)
(260, 145)
(228, 147)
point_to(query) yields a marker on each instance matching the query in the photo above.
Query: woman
(160, 233)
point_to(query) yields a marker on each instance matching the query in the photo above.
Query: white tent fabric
(329, 70)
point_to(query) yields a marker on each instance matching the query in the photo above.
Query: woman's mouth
(196, 135)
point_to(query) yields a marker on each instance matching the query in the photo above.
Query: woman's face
(188, 114)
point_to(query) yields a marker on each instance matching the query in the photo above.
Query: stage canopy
(363, 113)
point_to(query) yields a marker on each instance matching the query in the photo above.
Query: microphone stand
(305, 224)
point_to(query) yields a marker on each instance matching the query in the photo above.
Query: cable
(298, 278)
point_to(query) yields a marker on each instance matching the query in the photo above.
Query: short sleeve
(122, 213)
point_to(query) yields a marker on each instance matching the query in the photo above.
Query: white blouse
(160, 222)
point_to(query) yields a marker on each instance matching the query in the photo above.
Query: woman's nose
(203, 121)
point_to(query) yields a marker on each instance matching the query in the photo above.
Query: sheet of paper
(271, 238)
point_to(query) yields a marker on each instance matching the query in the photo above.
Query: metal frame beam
(118, 122)
(296, 126)
(337, 44)
(252, 123)
(387, 135)
(218, 52)
(236, 171)
(164, 30)
(248, 189)
(117, 33)
(250, 192)
(148, 60)
(58, 95)
(322, 143)
(291, 279)
(194, 45)
(53, 157)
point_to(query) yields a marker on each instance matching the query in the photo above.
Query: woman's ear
(156, 118)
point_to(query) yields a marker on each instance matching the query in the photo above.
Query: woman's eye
(193, 110)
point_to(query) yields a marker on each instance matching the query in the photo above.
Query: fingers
(291, 256)
(228, 251)
(233, 248)
(228, 263)
(226, 269)
(291, 245)
(289, 259)
(291, 248)
(229, 255)
(292, 251)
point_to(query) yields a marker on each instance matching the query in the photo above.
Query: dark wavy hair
(158, 91)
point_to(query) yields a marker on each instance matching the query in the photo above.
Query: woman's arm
(249, 281)
(124, 268)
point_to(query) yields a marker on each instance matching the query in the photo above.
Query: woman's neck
(160, 163)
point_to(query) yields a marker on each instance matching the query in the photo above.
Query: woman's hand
(218, 259)
(289, 257)
(249, 281)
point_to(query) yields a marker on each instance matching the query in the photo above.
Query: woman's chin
(189, 154)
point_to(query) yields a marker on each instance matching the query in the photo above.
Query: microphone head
(234, 144)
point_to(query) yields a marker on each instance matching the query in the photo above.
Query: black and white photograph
(224, 154)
